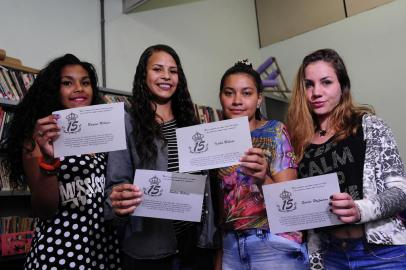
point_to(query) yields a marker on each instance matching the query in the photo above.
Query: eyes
(69, 82)
(324, 82)
(245, 92)
(161, 69)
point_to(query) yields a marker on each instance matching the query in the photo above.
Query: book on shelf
(112, 98)
(15, 224)
(16, 234)
(5, 121)
(14, 83)
(207, 114)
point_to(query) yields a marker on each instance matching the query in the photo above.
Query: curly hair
(245, 68)
(345, 118)
(40, 101)
(143, 112)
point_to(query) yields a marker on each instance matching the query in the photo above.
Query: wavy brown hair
(345, 118)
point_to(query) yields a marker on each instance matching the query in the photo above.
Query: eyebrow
(324, 78)
(160, 65)
(72, 78)
(245, 88)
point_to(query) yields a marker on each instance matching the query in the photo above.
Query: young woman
(70, 231)
(161, 103)
(332, 134)
(247, 241)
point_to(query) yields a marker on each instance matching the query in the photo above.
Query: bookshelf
(15, 206)
(204, 113)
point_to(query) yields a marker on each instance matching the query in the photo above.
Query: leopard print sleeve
(384, 182)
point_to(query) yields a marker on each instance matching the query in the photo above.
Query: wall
(37, 31)
(373, 45)
(209, 35)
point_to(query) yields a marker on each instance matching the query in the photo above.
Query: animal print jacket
(384, 191)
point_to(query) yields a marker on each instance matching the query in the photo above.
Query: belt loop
(261, 233)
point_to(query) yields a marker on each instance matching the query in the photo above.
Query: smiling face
(323, 90)
(239, 97)
(162, 76)
(76, 89)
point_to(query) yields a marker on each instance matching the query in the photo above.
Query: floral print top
(244, 206)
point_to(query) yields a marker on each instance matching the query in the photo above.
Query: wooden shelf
(8, 102)
(6, 193)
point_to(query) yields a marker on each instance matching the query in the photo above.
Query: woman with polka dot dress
(67, 194)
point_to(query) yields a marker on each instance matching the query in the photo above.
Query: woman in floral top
(247, 241)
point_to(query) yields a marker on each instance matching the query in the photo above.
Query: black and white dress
(76, 236)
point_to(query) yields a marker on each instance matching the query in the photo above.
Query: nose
(78, 87)
(316, 91)
(165, 74)
(237, 100)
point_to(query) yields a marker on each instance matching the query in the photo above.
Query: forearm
(44, 192)
(385, 204)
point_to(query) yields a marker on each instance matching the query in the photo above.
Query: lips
(236, 111)
(78, 98)
(164, 86)
(318, 104)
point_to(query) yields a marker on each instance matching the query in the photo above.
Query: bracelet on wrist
(48, 166)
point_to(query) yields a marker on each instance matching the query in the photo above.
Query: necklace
(322, 132)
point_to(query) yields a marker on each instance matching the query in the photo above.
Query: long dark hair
(40, 101)
(245, 68)
(146, 126)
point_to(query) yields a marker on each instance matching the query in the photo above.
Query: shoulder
(274, 124)
(373, 122)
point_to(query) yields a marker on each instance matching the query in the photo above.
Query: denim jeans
(257, 249)
(354, 254)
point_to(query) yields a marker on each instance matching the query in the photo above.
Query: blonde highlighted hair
(345, 118)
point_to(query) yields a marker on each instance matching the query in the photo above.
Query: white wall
(37, 31)
(208, 35)
(372, 45)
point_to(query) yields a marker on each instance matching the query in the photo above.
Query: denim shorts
(257, 249)
(356, 254)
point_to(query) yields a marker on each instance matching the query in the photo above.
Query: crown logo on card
(200, 145)
(154, 180)
(73, 125)
(71, 117)
(197, 137)
(154, 188)
(288, 204)
(285, 195)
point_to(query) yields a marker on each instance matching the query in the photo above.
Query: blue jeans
(354, 254)
(257, 249)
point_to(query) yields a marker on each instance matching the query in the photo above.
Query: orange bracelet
(48, 167)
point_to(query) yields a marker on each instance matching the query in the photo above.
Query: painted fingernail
(331, 197)
(331, 210)
(330, 203)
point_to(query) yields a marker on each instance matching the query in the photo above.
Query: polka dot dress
(76, 236)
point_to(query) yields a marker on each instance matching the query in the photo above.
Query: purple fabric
(265, 65)
(270, 83)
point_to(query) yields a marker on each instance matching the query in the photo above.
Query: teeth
(164, 86)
